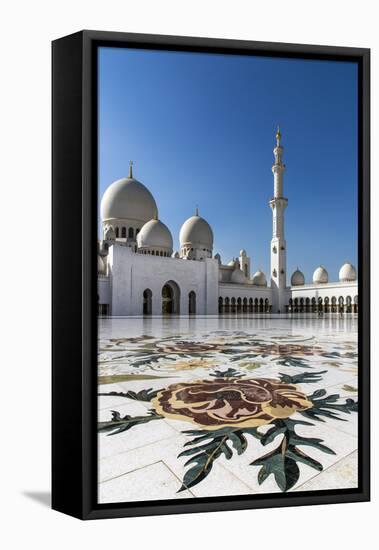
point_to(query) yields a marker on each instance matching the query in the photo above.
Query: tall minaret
(278, 205)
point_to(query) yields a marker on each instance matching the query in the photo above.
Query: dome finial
(278, 136)
(130, 169)
(155, 215)
(197, 210)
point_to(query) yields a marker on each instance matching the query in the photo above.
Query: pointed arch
(170, 298)
(192, 303)
(147, 301)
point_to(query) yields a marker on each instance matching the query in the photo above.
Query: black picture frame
(74, 315)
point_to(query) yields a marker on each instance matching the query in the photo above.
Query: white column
(211, 286)
(121, 280)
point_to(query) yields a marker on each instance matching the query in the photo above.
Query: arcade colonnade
(325, 304)
(243, 305)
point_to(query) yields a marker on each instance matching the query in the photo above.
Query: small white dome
(232, 263)
(243, 252)
(196, 232)
(238, 276)
(297, 278)
(347, 273)
(320, 276)
(100, 265)
(259, 278)
(155, 235)
(128, 199)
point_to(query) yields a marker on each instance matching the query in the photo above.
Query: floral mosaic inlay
(282, 399)
(230, 402)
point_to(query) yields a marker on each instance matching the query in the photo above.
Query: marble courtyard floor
(204, 406)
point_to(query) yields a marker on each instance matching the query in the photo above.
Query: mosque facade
(139, 273)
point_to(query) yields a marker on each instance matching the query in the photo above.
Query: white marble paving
(343, 474)
(153, 482)
(139, 354)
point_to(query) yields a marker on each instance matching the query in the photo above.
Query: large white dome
(128, 199)
(297, 278)
(155, 235)
(347, 273)
(196, 232)
(320, 276)
(259, 278)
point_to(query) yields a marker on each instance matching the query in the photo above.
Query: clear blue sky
(200, 129)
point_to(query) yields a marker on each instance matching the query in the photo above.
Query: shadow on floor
(42, 497)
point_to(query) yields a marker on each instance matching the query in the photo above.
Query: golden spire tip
(278, 135)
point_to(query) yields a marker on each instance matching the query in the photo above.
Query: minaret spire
(278, 166)
(278, 205)
(278, 136)
(130, 169)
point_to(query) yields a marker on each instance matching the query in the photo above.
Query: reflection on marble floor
(207, 406)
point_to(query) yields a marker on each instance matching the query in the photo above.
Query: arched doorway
(227, 305)
(261, 310)
(326, 304)
(244, 305)
(220, 305)
(348, 304)
(340, 304)
(192, 303)
(334, 304)
(170, 298)
(147, 301)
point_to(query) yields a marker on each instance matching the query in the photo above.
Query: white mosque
(140, 274)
